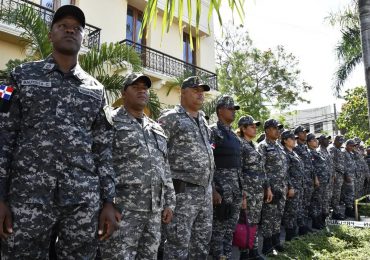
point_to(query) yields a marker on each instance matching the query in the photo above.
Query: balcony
(92, 33)
(160, 62)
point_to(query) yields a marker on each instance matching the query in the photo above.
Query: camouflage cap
(300, 129)
(357, 140)
(323, 137)
(69, 10)
(350, 142)
(227, 101)
(310, 137)
(248, 120)
(131, 78)
(339, 139)
(272, 123)
(287, 134)
(193, 82)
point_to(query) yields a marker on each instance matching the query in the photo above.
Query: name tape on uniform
(45, 84)
(349, 223)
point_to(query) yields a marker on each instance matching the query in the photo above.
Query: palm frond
(209, 108)
(99, 61)
(151, 10)
(344, 70)
(154, 105)
(35, 30)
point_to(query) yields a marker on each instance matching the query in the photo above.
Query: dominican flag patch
(6, 92)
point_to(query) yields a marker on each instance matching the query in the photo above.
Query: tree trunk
(364, 11)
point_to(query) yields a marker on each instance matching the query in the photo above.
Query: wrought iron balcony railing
(163, 63)
(92, 33)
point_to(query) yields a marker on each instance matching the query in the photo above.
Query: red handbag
(244, 234)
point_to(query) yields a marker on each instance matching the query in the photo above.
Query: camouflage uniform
(347, 194)
(293, 213)
(192, 164)
(56, 157)
(227, 179)
(254, 181)
(329, 190)
(275, 163)
(306, 157)
(143, 188)
(339, 165)
(320, 199)
(361, 172)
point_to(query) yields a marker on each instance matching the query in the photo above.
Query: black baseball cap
(287, 134)
(323, 137)
(248, 120)
(193, 82)
(300, 129)
(272, 123)
(69, 10)
(310, 137)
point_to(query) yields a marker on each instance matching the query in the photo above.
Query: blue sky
(301, 27)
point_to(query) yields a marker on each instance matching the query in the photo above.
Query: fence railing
(163, 63)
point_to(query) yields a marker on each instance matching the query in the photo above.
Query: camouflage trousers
(255, 194)
(359, 185)
(138, 237)
(293, 212)
(32, 227)
(189, 234)
(348, 193)
(272, 212)
(337, 189)
(320, 200)
(223, 230)
(308, 189)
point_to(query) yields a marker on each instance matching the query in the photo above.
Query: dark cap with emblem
(272, 123)
(228, 102)
(350, 142)
(131, 78)
(340, 139)
(323, 137)
(248, 120)
(310, 137)
(287, 134)
(300, 129)
(193, 82)
(69, 10)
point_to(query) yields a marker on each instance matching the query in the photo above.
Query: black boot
(289, 234)
(316, 222)
(267, 248)
(253, 253)
(302, 230)
(276, 242)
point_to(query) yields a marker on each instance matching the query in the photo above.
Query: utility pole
(335, 120)
(364, 11)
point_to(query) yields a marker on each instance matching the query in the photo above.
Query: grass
(339, 242)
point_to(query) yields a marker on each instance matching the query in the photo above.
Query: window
(188, 53)
(133, 25)
(318, 127)
(55, 4)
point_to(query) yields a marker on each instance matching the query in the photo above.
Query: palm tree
(348, 50)
(104, 63)
(150, 13)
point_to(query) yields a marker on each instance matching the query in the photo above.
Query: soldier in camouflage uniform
(191, 162)
(308, 180)
(293, 213)
(367, 181)
(227, 178)
(338, 159)
(361, 167)
(323, 150)
(255, 184)
(274, 160)
(55, 153)
(322, 173)
(347, 195)
(144, 186)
